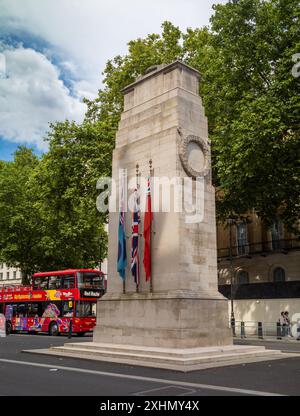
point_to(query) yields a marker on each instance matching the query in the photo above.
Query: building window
(1, 276)
(279, 274)
(277, 234)
(242, 277)
(15, 275)
(242, 239)
(7, 275)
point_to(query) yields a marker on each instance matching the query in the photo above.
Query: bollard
(70, 329)
(260, 330)
(233, 327)
(243, 332)
(278, 330)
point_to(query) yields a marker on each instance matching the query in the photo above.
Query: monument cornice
(163, 69)
(176, 294)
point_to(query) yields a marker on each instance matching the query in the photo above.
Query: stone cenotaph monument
(180, 322)
(163, 121)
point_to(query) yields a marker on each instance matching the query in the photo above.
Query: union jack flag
(135, 260)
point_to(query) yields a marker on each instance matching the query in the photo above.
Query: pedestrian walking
(288, 324)
(282, 321)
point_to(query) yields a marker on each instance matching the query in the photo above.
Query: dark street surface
(24, 374)
(290, 345)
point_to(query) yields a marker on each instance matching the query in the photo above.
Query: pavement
(290, 345)
(24, 374)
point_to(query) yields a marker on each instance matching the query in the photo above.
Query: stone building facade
(264, 267)
(260, 254)
(9, 275)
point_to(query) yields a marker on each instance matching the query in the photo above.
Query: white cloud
(31, 96)
(93, 31)
(86, 34)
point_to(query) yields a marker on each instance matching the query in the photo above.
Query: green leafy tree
(19, 224)
(253, 105)
(48, 214)
(121, 71)
(64, 184)
(250, 95)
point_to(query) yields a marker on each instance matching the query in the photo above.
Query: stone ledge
(172, 294)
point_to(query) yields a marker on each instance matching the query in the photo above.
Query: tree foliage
(251, 99)
(49, 219)
(255, 115)
(64, 184)
(19, 224)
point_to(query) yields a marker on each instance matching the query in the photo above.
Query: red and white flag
(147, 233)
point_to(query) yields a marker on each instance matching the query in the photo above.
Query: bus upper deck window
(89, 280)
(68, 282)
(54, 282)
(41, 282)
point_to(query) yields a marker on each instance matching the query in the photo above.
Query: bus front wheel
(53, 329)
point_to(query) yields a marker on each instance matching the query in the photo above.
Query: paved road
(290, 345)
(25, 374)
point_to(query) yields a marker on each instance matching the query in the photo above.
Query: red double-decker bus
(57, 302)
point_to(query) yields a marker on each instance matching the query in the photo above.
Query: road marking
(150, 379)
(163, 389)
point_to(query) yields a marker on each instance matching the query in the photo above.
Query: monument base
(185, 360)
(173, 331)
(176, 319)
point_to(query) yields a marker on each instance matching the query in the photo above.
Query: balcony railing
(267, 290)
(262, 248)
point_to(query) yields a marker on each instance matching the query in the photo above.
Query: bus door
(66, 316)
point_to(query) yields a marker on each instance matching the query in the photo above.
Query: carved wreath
(183, 154)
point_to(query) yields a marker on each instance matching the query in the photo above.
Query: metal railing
(262, 290)
(261, 330)
(263, 248)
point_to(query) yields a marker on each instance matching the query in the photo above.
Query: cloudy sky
(52, 54)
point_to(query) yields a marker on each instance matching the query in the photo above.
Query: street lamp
(230, 221)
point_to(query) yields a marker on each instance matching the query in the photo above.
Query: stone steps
(162, 357)
(164, 352)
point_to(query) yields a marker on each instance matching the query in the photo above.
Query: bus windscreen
(89, 280)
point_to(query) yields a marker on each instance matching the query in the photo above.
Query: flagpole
(151, 279)
(123, 208)
(123, 185)
(137, 188)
